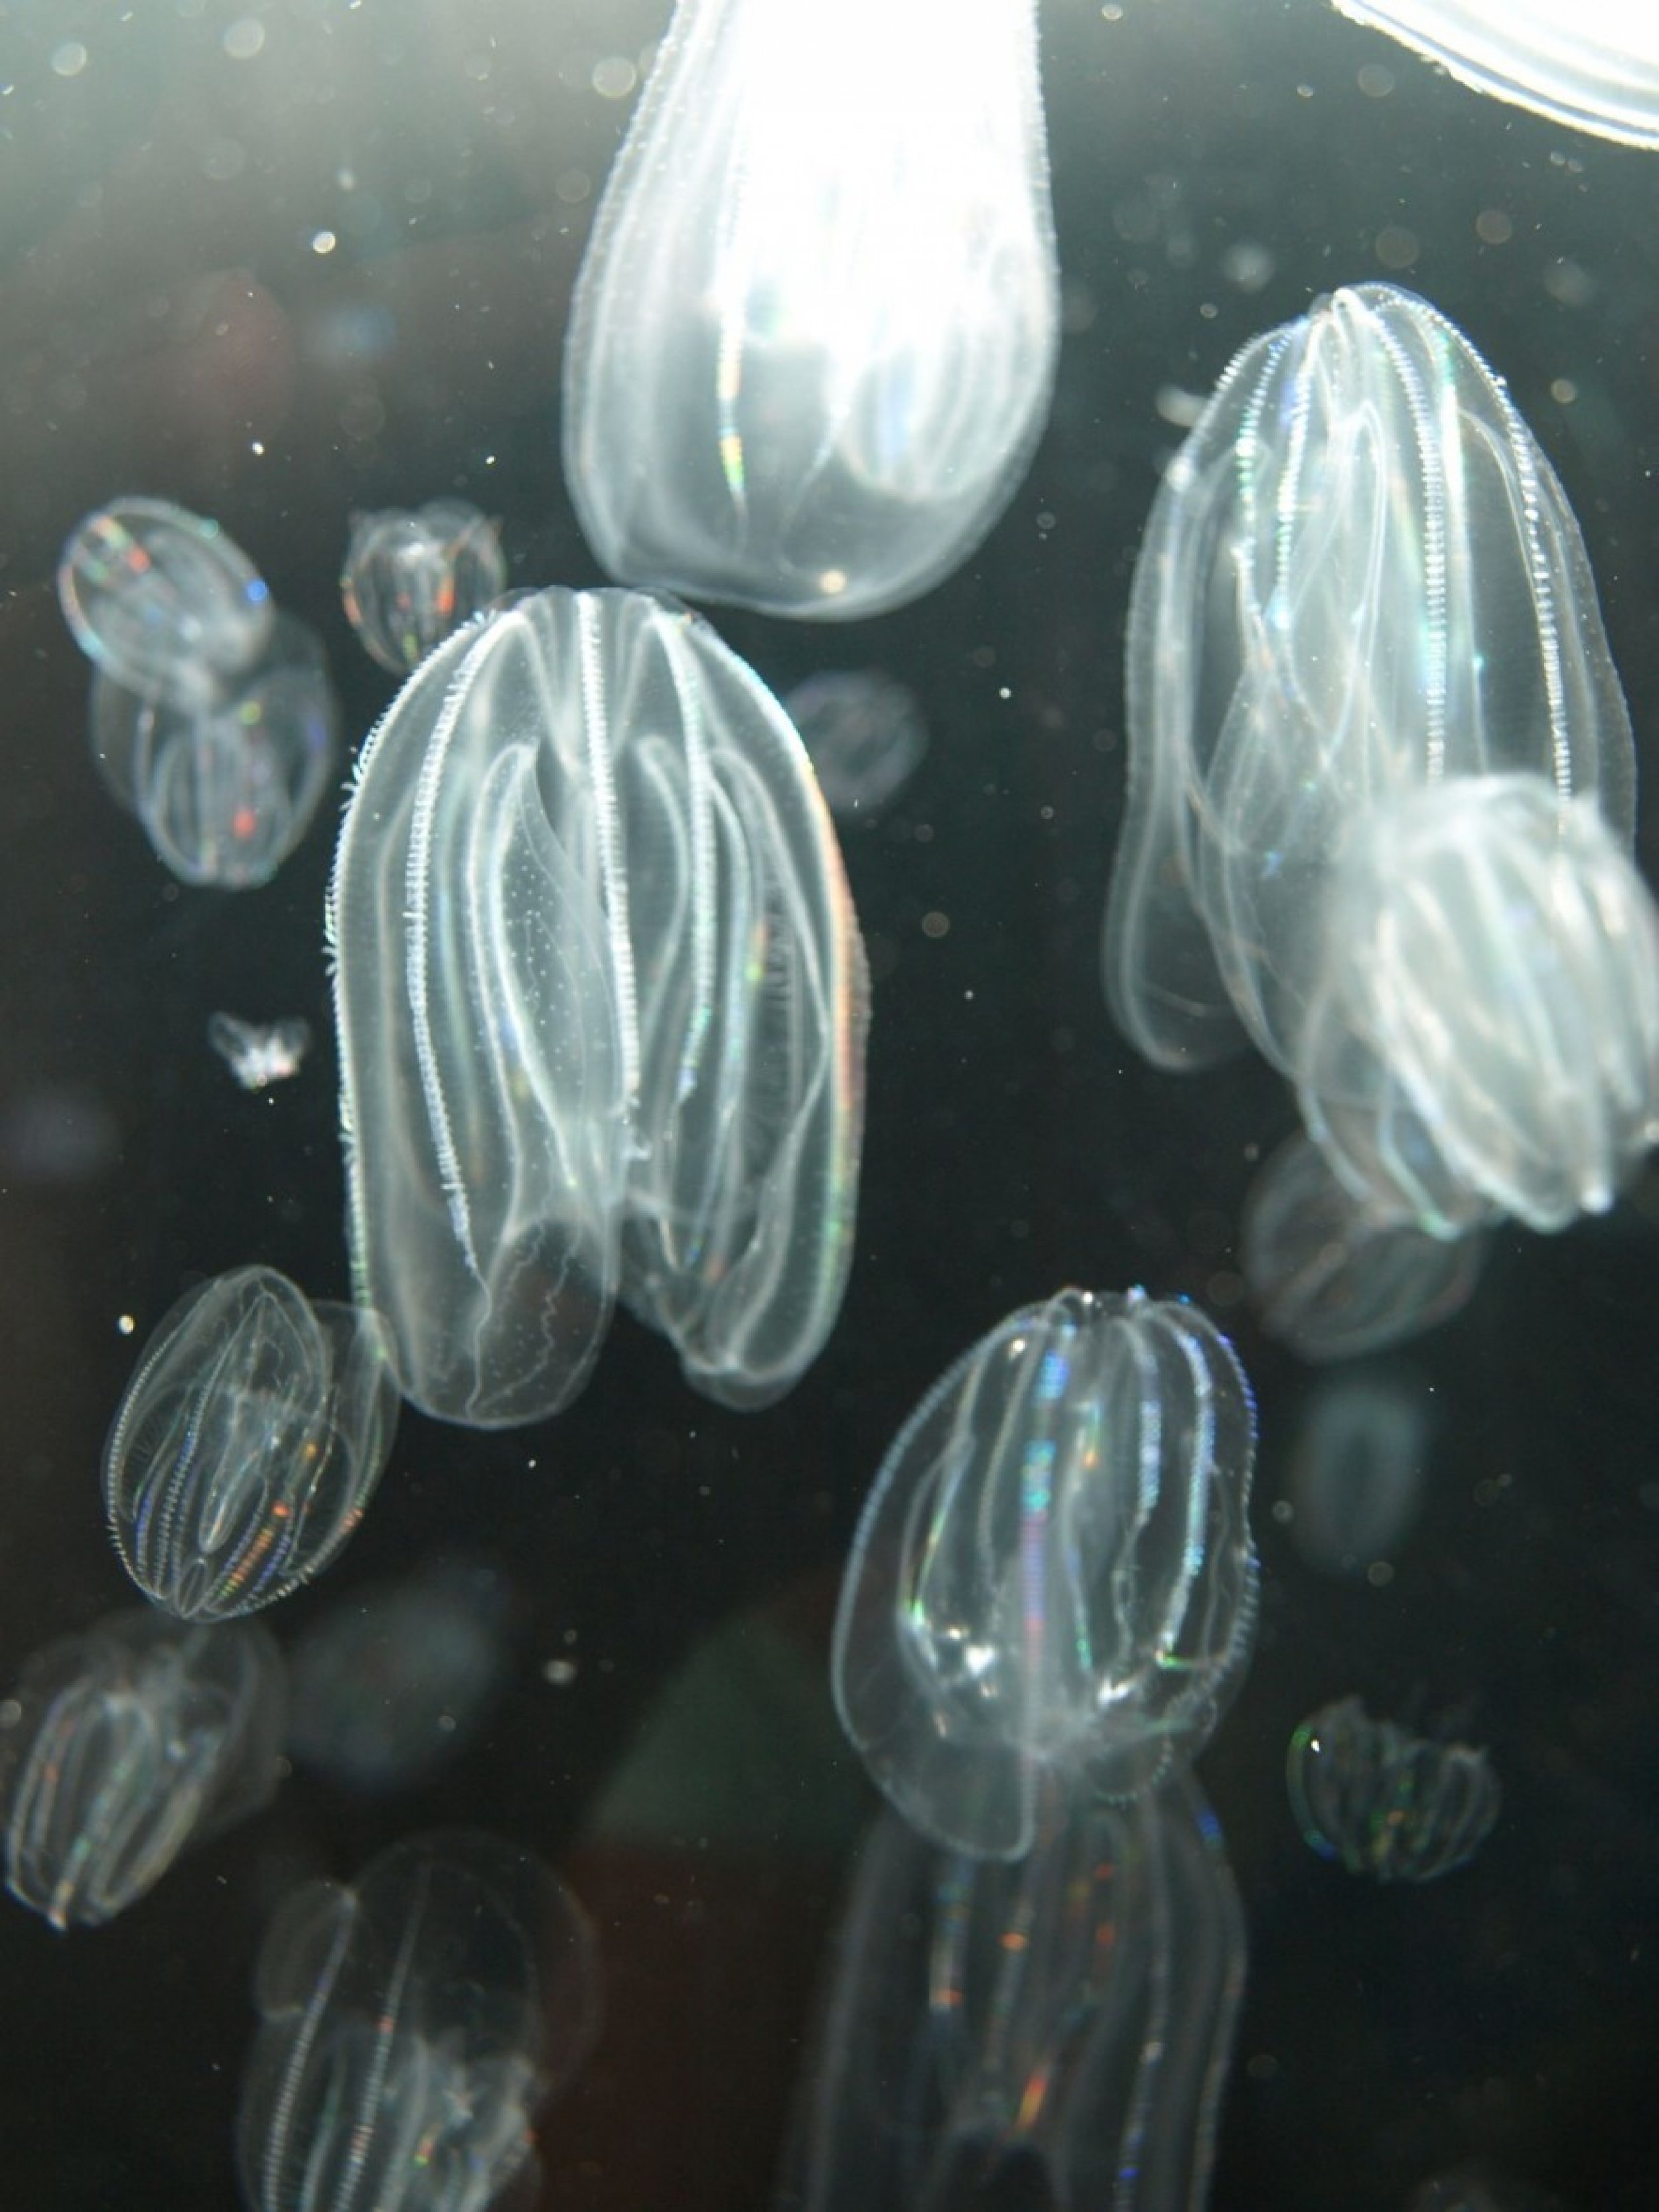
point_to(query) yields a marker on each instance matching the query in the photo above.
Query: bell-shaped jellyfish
(813, 340)
(1593, 64)
(1052, 1585)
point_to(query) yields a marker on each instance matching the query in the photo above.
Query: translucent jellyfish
(601, 1002)
(259, 1053)
(392, 1681)
(1358, 1467)
(1053, 1584)
(1055, 2032)
(227, 787)
(1483, 1030)
(813, 342)
(1360, 578)
(1387, 1802)
(125, 1745)
(248, 1444)
(1334, 1276)
(864, 733)
(162, 601)
(413, 2027)
(1593, 64)
(410, 579)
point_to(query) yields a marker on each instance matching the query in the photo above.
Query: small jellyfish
(864, 735)
(248, 1444)
(259, 1053)
(162, 601)
(1358, 1466)
(124, 1745)
(410, 579)
(1386, 1802)
(1053, 1584)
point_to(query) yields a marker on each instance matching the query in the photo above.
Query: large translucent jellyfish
(1055, 2031)
(1052, 1585)
(601, 1003)
(1593, 64)
(813, 340)
(1360, 577)
(124, 1745)
(413, 2025)
(247, 1443)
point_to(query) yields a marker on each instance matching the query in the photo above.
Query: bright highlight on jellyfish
(813, 340)
(162, 601)
(1052, 1585)
(1593, 64)
(128, 1744)
(865, 735)
(248, 1444)
(1331, 1278)
(1364, 613)
(259, 1053)
(1485, 1017)
(601, 1004)
(414, 2025)
(412, 578)
(1055, 2031)
(1386, 1802)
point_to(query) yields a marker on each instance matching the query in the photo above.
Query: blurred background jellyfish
(1593, 64)
(1052, 1585)
(1385, 1801)
(411, 578)
(1055, 2030)
(812, 345)
(1357, 1465)
(124, 1745)
(864, 733)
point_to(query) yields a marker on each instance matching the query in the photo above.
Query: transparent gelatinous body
(226, 787)
(813, 340)
(1360, 578)
(1384, 1802)
(1358, 1467)
(162, 601)
(1485, 1018)
(1334, 1276)
(601, 1003)
(1053, 2031)
(259, 1053)
(413, 2025)
(249, 1441)
(390, 1683)
(1053, 1584)
(1594, 65)
(412, 577)
(864, 733)
(129, 1743)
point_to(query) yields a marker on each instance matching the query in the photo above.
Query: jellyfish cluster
(600, 1003)
(213, 719)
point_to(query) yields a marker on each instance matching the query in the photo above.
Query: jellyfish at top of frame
(1052, 1585)
(1361, 577)
(601, 1000)
(813, 340)
(1593, 64)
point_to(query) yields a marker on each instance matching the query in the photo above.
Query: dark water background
(689, 1781)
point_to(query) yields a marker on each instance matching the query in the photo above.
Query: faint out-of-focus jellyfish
(1387, 1803)
(259, 1053)
(410, 578)
(864, 733)
(813, 342)
(1593, 64)
(1358, 1466)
